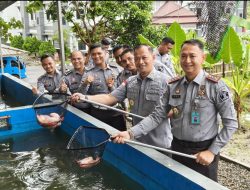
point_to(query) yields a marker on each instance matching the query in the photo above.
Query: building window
(81, 46)
(78, 15)
(63, 21)
(4, 63)
(198, 12)
(31, 16)
(48, 16)
(37, 20)
(46, 37)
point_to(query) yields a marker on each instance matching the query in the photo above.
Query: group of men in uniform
(192, 103)
(181, 112)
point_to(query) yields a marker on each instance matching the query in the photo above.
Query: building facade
(40, 25)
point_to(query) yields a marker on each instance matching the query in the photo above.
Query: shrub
(46, 47)
(17, 41)
(31, 44)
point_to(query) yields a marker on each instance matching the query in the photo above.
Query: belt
(190, 144)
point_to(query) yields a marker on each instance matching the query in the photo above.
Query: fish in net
(50, 109)
(214, 20)
(87, 145)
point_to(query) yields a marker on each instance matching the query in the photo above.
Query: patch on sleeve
(224, 95)
(160, 68)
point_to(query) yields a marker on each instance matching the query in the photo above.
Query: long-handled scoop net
(50, 109)
(88, 144)
(111, 108)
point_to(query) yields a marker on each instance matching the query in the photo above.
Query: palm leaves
(178, 35)
(232, 53)
(232, 48)
(145, 41)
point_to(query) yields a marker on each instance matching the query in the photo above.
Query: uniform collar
(77, 72)
(157, 53)
(198, 79)
(108, 66)
(56, 73)
(151, 75)
(126, 71)
(98, 68)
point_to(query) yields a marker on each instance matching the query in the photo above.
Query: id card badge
(195, 118)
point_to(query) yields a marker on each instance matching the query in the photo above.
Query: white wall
(10, 12)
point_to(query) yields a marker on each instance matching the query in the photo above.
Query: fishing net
(50, 109)
(214, 20)
(87, 145)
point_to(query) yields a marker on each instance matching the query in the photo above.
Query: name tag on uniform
(195, 118)
(176, 96)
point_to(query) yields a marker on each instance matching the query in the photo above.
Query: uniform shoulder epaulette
(68, 72)
(90, 68)
(213, 78)
(174, 79)
(113, 66)
(39, 78)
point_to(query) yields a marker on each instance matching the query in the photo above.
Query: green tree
(6, 26)
(122, 21)
(17, 41)
(46, 47)
(65, 39)
(155, 33)
(31, 44)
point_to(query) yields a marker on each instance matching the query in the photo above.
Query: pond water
(38, 160)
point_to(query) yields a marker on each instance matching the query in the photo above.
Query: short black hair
(44, 56)
(144, 45)
(125, 46)
(117, 47)
(94, 46)
(106, 41)
(127, 51)
(194, 42)
(167, 40)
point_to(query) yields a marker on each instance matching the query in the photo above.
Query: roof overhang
(9, 51)
(5, 4)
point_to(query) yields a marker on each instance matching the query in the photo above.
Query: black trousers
(192, 148)
(83, 107)
(112, 118)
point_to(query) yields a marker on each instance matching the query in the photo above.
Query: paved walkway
(33, 73)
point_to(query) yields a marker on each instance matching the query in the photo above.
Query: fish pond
(39, 160)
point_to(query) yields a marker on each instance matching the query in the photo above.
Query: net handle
(110, 138)
(160, 149)
(111, 108)
(49, 104)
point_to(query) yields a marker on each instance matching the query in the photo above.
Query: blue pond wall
(17, 90)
